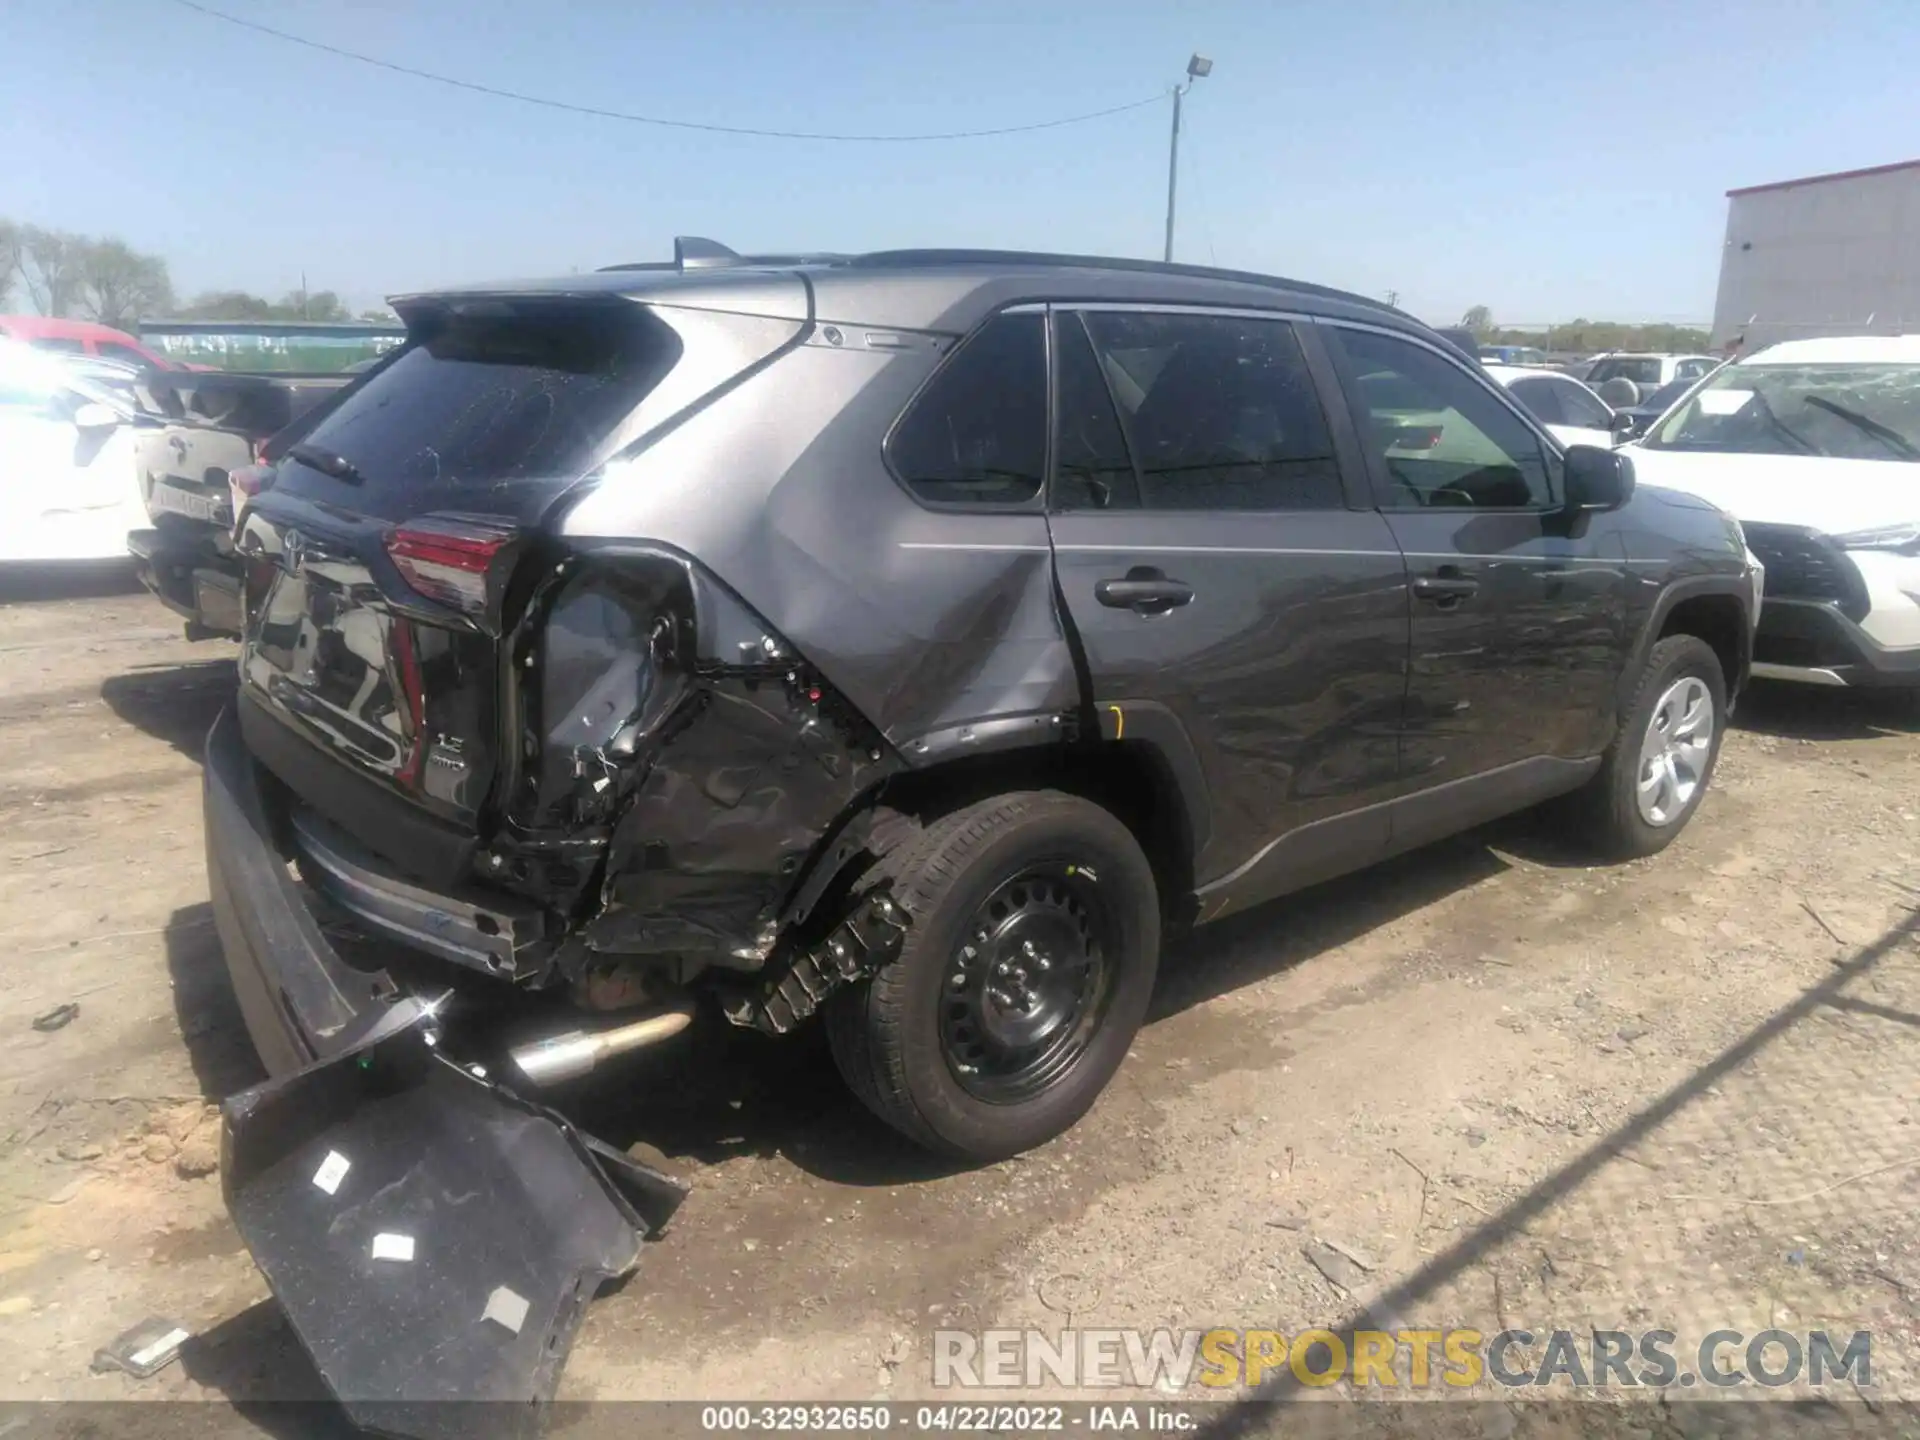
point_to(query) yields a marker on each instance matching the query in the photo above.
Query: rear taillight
(449, 561)
(1417, 437)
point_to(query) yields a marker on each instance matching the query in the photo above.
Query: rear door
(1519, 615)
(371, 672)
(1239, 603)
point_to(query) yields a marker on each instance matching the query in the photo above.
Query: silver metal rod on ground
(573, 1054)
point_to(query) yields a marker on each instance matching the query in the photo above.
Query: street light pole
(1198, 68)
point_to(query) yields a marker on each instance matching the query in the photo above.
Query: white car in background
(1814, 446)
(69, 489)
(1572, 413)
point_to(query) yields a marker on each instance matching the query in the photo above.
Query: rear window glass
(1643, 370)
(512, 393)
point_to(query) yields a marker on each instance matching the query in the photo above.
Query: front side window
(1218, 412)
(977, 435)
(1843, 412)
(1441, 439)
(1691, 369)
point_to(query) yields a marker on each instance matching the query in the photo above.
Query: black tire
(1607, 808)
(889, 1034)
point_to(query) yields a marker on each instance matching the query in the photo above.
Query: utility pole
(1393, 298)
(1198, 68)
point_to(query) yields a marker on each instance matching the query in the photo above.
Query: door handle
(1446, 589)
(1144, 590)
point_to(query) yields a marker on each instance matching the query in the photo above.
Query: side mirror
(1597, 479)
(1623, 425)
(92, 415)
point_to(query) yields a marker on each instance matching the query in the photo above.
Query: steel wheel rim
(1675, 751)
(1024, 992)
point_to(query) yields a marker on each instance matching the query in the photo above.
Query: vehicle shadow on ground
(721, 1092)
(174, 703)
(211, 1027)
(255, 1360)
(1388, 1311)
(1819, 712)
(31, 583)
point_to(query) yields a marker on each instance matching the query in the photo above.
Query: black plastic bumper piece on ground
(433, 1239)
(301, 1001)
(1814, 635)
(436, 1270)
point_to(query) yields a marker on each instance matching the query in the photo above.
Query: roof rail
(902, 259)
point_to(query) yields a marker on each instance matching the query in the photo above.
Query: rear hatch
(381, 560)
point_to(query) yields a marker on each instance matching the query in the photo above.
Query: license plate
(186, 502)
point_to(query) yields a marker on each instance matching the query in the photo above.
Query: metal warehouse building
(1827, 255)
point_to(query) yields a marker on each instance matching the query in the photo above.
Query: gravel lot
(1677, 1093)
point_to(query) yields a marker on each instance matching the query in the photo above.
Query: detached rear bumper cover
(433, 1238)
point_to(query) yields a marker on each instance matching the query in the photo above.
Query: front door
(1518, 613)
(1238, 601)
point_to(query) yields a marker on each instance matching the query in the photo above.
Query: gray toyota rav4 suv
(909, 637)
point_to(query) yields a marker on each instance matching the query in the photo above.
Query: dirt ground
(1525, 1091)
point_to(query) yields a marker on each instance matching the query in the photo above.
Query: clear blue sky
(1545, 158)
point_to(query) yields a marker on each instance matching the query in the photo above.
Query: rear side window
(977, 435)
(1583, 408)
(1219, 412)
(503, 394)
(1092, 468)
(1542, 399)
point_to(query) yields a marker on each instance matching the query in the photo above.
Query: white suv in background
(1814, 446)
(1624, 380)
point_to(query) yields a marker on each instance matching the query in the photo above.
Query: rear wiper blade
(1892, 439)
(327, 463)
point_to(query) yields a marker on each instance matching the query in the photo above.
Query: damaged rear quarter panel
(754, 769)
(922, 620)
(919, 621)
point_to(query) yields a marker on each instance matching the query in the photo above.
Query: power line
(595, 111)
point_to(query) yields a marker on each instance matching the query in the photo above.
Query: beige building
(1826, 255)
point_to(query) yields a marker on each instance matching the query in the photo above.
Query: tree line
(1587, 337)
(59, 273)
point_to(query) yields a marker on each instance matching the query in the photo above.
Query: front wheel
(1026, 970)
(1656, 771)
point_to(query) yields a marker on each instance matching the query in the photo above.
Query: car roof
(1507, 374)
(937, 290)
(1840, 350)
(49, 327)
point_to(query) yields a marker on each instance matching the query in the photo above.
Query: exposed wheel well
(1722, 623)
(1126, 777)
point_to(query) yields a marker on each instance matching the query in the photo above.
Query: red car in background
(83, 337)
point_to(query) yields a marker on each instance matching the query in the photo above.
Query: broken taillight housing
(455, 562)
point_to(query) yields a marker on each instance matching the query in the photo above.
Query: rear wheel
(1656, 771)
(1025, 972)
